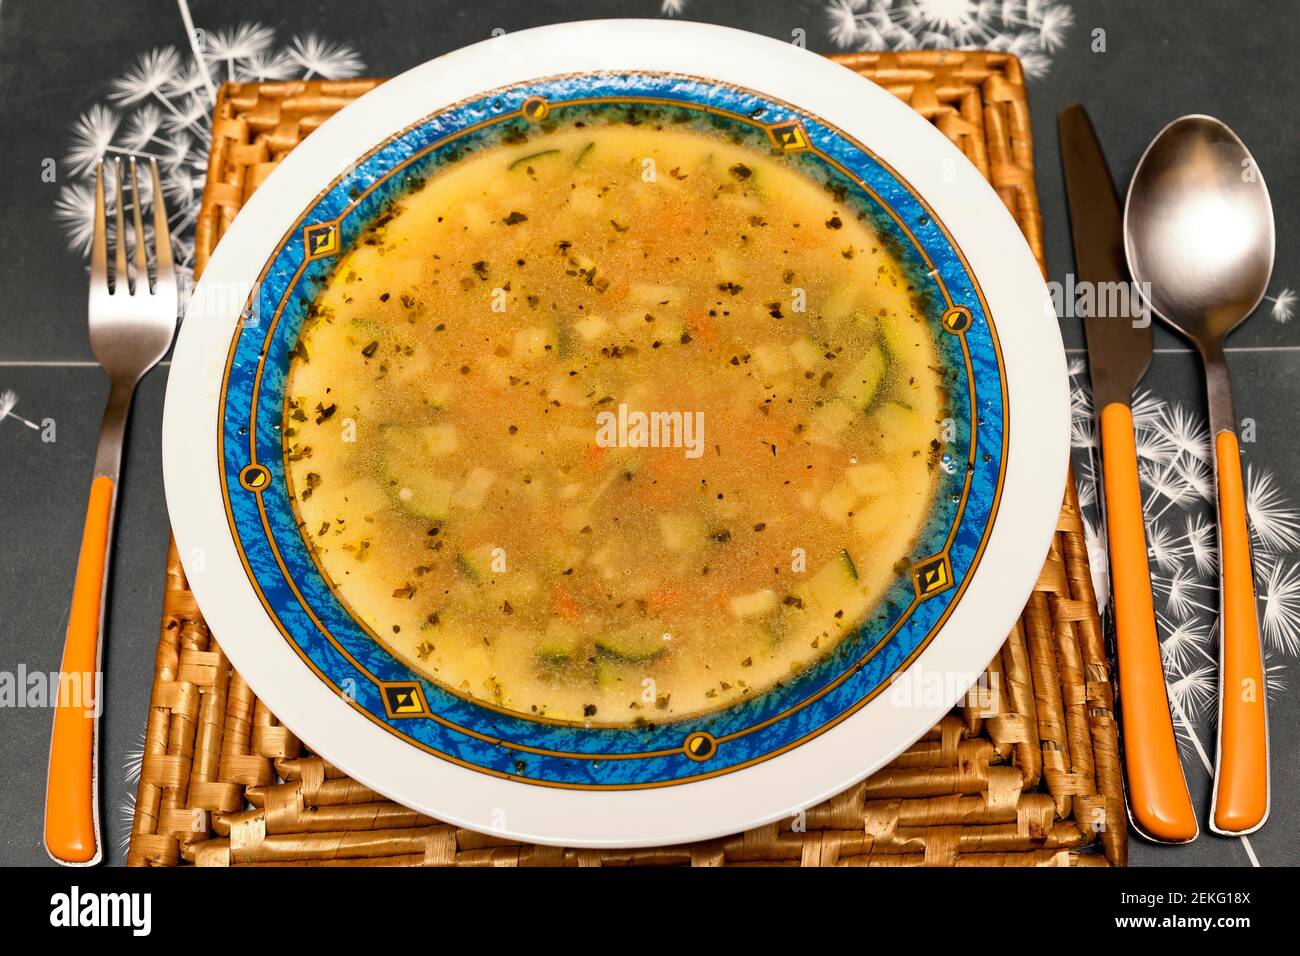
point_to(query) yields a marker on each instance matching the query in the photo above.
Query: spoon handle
(1241, 778)
(1158, 801)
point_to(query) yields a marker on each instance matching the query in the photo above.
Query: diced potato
(806, 353)
(870, 479)
(839, 304)
(471, 494)
(871, 519)
(681, 532)
(751, 605)
(894, 425)
(366, 496)
(648, 294)
(475, 216)
(838, 502)
(770, 359)
(531, 343)
(591, 328)
(829, 421)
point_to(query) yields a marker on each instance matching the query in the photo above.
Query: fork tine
(162, 239)
(99, 247)
(121, 281)
(141, 256)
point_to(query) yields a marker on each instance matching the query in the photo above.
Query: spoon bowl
(1198, 228)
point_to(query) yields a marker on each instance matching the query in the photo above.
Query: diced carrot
(562, 603)
(595, 457)
(663, 597)
(702, 325)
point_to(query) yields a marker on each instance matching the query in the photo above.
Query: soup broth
(617, 424)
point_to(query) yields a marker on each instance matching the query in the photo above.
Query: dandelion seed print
(160, 107)
(1175, 466)
(1280, 597)
(8, 401)
(125, 820)
(1033, 30)
(1283, 307)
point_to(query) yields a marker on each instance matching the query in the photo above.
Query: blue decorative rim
(347, 657)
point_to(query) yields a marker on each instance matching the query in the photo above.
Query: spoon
(1198, 234)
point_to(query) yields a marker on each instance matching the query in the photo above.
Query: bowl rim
(1037, 440)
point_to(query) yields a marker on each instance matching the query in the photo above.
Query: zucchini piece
(525, 160)
(437, 396)
(903, 334)
(406, 465)
(369, 328)
(424, 496)
(836, 580)
(476, 563)
(859, 387)
(609, 673)
(583, 153)
(633, 645)
(559, 644)
(562, 335)
(752, 605)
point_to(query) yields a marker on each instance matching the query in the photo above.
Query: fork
(131, 327)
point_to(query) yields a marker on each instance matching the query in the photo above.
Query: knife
(1119, 353)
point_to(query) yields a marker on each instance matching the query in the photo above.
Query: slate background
(57, 58)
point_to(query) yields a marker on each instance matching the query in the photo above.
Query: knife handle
(1241, 790)
(1159, 802)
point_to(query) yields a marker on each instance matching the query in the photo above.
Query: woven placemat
(1026, 772)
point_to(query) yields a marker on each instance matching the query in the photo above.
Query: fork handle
(1241, 782)
(1160, 806)
(72, 788)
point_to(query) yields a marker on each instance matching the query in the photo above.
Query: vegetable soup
(614, 423)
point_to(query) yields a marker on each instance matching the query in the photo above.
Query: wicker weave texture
(1025, 773)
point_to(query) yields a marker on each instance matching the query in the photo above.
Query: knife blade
(1119, 341)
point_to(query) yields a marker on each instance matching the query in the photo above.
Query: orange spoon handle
(1241, 780)
(1159, 802)
(71, 815)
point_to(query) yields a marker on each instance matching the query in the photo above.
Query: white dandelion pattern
(8, 402)
(1282, 306)
(1031, 29)
(160, 107)
(1175, 466)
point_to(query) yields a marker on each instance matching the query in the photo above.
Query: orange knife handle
(1241, 784)
(71, 815)
(1159, 802)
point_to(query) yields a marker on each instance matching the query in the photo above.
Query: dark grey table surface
(58, 63)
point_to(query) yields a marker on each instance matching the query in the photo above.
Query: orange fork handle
(71, 830)
(1158, 799)
(1241, 783)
